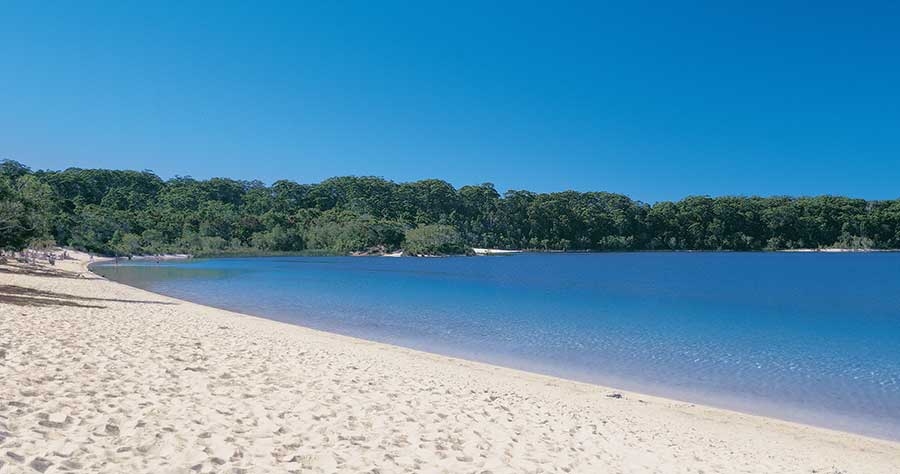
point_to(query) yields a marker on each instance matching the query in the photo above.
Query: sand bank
(96, 376)
(480, 251)
(837, 250)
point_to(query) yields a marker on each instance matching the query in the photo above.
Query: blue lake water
(813, 338)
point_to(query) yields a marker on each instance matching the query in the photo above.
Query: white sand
(96, 376)
(480, 251)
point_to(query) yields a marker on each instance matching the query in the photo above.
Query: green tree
(102, 210)
(17, 219)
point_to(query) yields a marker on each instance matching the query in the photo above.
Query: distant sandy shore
(480, 251)
(96, 376)
(838, 250)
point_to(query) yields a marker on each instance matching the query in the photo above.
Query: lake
(809, 337)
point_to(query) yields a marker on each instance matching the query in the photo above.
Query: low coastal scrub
(129, 212)
(434, 240)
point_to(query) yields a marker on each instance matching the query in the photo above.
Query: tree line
(137, 212)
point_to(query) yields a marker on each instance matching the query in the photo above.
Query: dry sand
(96, 376)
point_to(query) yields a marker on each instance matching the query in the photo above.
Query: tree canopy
(133, 212)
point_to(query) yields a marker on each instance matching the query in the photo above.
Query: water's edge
(749, 405)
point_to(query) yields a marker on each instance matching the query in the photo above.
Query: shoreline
(633, 392)
(750, 406)
(740, 439)
(753, 405)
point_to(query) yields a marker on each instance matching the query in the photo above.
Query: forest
(136, 212)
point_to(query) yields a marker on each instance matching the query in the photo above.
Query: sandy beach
(96, 376)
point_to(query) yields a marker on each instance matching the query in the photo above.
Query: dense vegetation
(131, 212)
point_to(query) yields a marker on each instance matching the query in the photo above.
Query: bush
(353, 235)
(434, 240)
(278, 239)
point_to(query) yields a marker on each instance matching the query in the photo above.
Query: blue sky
(653, 100)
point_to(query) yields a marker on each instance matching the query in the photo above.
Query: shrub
(434, 240)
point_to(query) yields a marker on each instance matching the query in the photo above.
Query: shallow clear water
(813, 338)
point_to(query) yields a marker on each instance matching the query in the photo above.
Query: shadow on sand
(23, 296)
(31, 270)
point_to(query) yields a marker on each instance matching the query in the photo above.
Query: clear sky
(654, 100)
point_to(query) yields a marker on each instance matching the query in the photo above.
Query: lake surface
(808, 337)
